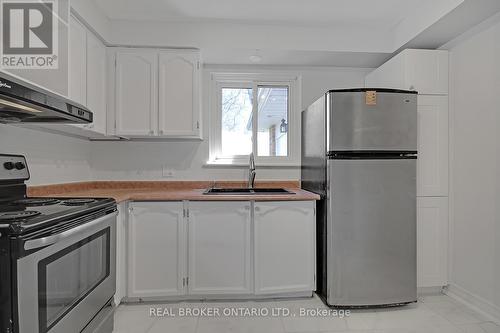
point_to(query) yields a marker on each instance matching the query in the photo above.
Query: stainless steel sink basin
(246, 191)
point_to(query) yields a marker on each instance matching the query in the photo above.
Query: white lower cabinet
(121, 253)
(157, 249)
(285, 247)
(219, 247)
(432, 241)
(197, 249)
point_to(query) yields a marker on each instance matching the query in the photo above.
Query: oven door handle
(49, 240)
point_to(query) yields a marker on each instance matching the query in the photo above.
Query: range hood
(22, 102)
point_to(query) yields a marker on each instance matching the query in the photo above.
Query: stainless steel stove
(57, 258)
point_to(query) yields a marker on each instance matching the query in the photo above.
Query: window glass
(236, 104)
(272, 133)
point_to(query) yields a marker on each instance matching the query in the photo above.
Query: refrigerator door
(380, 122)
(371, 227)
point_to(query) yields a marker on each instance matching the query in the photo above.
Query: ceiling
(359, 13)
(342, 33)
(270, 57)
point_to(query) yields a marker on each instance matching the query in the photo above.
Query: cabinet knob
(161, 132)
(151, 132)
(257, 209)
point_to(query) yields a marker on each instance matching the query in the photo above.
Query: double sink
(246, 191)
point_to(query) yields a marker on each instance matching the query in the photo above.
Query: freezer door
(358, 121)
(371, 231)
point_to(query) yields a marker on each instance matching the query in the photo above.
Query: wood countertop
(168, 191)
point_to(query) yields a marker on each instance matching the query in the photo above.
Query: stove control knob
(19, 165)
(8, 165)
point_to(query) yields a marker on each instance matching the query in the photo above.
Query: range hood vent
(23, 102)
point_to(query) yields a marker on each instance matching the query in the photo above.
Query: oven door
(68, 279)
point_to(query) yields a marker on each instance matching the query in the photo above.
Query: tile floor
(432, 314)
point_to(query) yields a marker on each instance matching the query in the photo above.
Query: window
(272, 120)
(254, 113)
(236, 110)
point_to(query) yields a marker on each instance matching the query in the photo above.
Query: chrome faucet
(251, 172)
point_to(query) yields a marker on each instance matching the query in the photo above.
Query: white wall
(475, 166)
(51, 158)
(144, 160)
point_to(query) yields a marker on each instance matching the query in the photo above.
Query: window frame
(254, 80)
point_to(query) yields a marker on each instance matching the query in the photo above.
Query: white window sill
(244, 165)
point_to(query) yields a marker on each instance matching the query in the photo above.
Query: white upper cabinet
(77, 61)
(96, 82)
(432, 162)
(157, 93)
(136, 92)
(424, 71)
(87, 82)
(285, 247)
(432, 242)
(157, 249)
(55, 79)
(179, 101)
(219, 250)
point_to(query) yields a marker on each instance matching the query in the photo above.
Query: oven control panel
(13, 167)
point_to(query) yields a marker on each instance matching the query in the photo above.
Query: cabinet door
(179, 104)
(219, 248)
(157, 242)
(427, 71)
(136, 107)
(285, 247)
(432, 162)
(96, 82)
(77, 62)
(432, 241)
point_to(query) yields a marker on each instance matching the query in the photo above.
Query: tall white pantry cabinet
(426, 71)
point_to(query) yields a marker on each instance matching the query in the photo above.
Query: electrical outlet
(166, 172)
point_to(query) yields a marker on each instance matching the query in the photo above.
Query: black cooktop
(28, 214)
(22, 215)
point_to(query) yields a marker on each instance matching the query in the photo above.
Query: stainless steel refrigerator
(359, 152)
